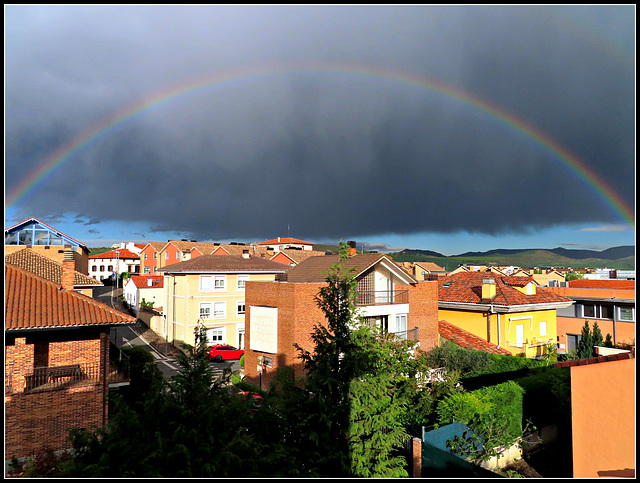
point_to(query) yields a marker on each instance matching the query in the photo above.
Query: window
(102, 268)
(220, 283)
(219, 309)
(240, 308)
(215, 335)
(155, 256)
(606, 311)
(147, 270)
(166, 255)
(543, 328)
(589, 310)
(242, 279)
(401, 326)
(206, 283)
(145, 256)
(177, 255)
(626, 313)
(94, 268)
(205, 310)
(110, 269)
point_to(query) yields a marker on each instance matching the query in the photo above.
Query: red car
(222, 352)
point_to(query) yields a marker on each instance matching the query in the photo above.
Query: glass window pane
(25, 237)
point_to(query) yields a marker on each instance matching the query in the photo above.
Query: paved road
(133, 336)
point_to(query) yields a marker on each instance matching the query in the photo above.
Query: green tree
(596, 337)
(608, 341)
(355, 418)
(584, 350)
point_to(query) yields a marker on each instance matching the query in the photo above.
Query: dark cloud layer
(329, 152)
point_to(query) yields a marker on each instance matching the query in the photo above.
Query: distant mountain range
(622, 257)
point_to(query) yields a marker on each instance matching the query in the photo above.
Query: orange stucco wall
(603, 404)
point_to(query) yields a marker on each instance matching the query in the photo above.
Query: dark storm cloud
(329, 153)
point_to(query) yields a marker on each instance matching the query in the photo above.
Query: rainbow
(112, 122)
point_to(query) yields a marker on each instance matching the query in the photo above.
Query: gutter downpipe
(489, 323)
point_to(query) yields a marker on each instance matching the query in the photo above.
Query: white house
(147, 287)
(113, 263)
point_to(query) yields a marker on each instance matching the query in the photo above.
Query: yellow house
(511, 312)
(209, 291)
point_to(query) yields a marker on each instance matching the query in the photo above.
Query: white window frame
(206, 305)
(633, 314)
(240, 303)
(207, 283)
(242, 280)
(219, 310)
(220, 283)
(543, 328)
(216, 335)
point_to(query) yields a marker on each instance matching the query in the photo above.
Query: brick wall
(35, 420)
(298, 314)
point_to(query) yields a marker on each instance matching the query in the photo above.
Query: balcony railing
(382, 297)
(412, 335)
(55, 377)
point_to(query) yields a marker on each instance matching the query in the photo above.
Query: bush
(455, 358)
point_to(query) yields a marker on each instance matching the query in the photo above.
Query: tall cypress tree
(585, 346)
(596, 338)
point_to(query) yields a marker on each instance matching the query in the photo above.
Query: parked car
(223, 352)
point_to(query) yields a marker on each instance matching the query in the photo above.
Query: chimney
(352, 248)
(150, 282)
(245, 254)
(68, 270)
(488, 288)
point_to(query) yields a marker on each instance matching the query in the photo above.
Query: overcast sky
(395, 126)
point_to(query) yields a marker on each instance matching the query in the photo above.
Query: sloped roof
(430, 266)
(225, 263)
(185, 246)
(142, 281)
(466, 287)
(284, 240)
(28, 220)
(46, 268)
(157, 246)
(298, 256)
(239, 249)
(122, 253)
(467, 340)
(31, 302)
(316, 269)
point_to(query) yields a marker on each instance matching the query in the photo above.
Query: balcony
(382, 297)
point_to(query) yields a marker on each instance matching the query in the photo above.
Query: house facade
(282, 243)
(149, 257)
(283, 313)
(610, 303)
(57, 371)
(149, 288)
(209, 291)
(112, 264)
(511, 312)
(47, 241)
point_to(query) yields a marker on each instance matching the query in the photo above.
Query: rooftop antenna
(288, 234)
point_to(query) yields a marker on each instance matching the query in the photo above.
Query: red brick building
(282, 313)
(56, 360)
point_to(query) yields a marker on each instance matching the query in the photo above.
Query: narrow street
(140, 335)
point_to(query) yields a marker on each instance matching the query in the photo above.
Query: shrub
(455, 358)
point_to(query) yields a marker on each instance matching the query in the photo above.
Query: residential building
(283, 313)
(293, 256)
(45, 240)
(282, 243)
(467, 340)
(548, 277)
(425, 270)
(149, 257)
(51, 270)
(240, 248)
(112, 264)
(175, 251)
(610, 303)
(511, 312)
(209, 291)
(603, 415)
(149, 288)
(57, 371)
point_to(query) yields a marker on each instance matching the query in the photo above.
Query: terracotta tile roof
(430, 266)
(31, 302)
(239, 249)
(466, 287)
(612, 284)
(298, 256)
(467, 340)
(185, 246)
(142, 281)
(284, 240)
(121, 253)
(157, 246)
(315, 269)
(596, 360)
(226, 263)
(46, 268)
